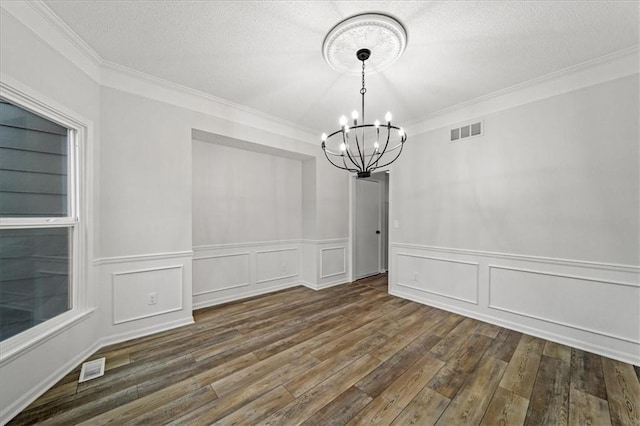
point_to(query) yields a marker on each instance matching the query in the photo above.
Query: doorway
(370, 230)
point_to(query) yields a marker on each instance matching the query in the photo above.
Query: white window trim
(80, 214)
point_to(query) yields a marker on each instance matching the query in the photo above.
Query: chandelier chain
(362, 92)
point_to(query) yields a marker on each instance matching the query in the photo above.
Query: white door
(367, 229)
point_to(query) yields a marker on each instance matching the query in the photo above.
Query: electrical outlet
(152, 298)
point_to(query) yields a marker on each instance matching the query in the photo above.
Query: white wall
(556, 178)
(145, 176)
(243, 196)
(60, 85)
(534, 225)
(247, 221)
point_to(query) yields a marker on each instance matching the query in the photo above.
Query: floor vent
(467, 131)
(92, 369)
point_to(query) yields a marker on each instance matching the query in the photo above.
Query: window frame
(77, 219)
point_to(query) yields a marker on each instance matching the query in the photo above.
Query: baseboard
(231, 298)
(536, 332)
(23, 402)
(322, 286)
(143, 332)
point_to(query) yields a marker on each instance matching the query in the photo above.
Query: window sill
(24, 342)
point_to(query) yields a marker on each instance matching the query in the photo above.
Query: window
(38, 219)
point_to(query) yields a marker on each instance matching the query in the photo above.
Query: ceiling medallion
(363, 148)
(370, 30)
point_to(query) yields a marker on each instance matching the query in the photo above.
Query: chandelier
(364, 147)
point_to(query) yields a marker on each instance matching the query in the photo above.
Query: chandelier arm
(360, 154)
(348, 151)
(386, 144)
(394, 159)
(344, 161)
(337, 165)
(375, 154)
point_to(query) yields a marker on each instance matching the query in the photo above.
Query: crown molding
(46, 25)
(38, 18)
(126, 79)
(606, 68)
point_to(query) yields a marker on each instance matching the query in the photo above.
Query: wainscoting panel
(277, 264)
(450, 278)
(132, 291)
(588, 305)
(220, 272)
(333, 262)
(227, 272)
(568, 300)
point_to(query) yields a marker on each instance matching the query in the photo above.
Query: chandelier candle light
(363, 148)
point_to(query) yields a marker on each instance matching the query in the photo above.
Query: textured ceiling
(267, 55)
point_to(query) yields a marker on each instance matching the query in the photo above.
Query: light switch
(396, 224)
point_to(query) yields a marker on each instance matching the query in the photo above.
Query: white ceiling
(267, 55)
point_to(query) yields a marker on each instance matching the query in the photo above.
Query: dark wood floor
(346, 355)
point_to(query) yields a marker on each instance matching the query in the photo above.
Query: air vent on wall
(467, 131)
(92, 369)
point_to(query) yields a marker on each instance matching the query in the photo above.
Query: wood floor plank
(258, 371)
(314, 399)
(331, 366)
(470, 404)
(178, 346)
(587, 374)
(445, 322)
(140, 406)
(383, 360)
(292, 340)
(506, 408)
(203, 374)
(83, 412)
(450, 379)
(402, 339)
(557, 351)
(505, 344)
(586, 409)
(379, 411)
(390, 403)
(424, 410)
(176, 408)
(488, 330)
(228, 403)
(456, 338)
(523, 367)
(55, 393)
(388, 371)
(402, 391)
(623, 392)
(346, 341)
(259, 408)
(549, 402)
(339, 411)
